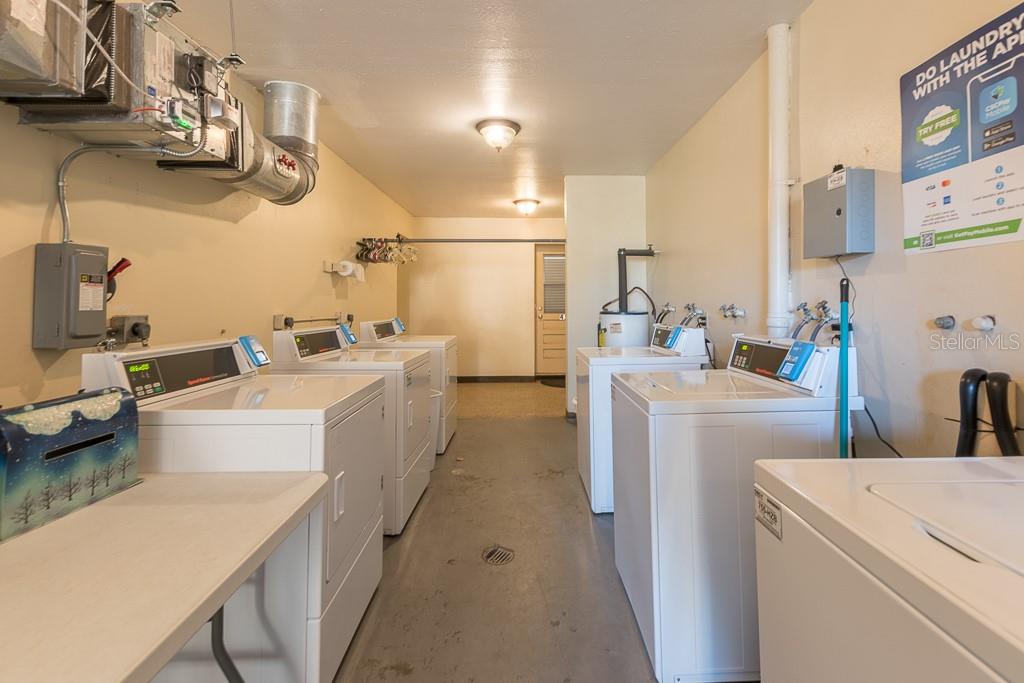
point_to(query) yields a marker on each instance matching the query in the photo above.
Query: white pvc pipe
(779, 76)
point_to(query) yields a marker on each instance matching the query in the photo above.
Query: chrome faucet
(732, 311)
(808, 318)
(692, 312)
(825, 317)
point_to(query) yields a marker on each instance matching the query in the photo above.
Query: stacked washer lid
(444, 362)
(407, 380)
(204, 408)
(891, 570)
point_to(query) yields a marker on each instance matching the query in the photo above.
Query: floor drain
(498, 555)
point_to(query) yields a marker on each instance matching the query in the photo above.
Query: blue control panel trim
(347, 333)
(254, 350)
(796, 360)
(673, 338)
(401, 325)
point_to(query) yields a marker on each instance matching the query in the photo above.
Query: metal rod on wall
(378, 249)
(441, 240)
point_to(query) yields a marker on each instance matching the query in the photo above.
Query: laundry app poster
(963, 131)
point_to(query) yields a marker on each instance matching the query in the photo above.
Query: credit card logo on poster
(961, 108)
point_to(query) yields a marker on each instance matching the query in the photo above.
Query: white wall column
(779, 86)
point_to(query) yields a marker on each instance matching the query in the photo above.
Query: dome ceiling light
(498, 133)
(527, 207)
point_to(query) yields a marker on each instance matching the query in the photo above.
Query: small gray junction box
(69, 308)
(839, 214)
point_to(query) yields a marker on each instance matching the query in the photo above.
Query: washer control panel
(799, 364)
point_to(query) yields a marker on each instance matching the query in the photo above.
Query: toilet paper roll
(349, 269)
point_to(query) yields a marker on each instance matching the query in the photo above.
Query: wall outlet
(130, 329)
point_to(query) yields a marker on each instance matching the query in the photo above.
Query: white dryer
(444, 363)
(685, 445)
(672, 349)
(407, 381)
(891, 571)
(204, 408)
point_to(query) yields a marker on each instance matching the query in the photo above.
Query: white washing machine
(891, 571)
(672, 349)
(407, 381)
(203, 407)
(685, 445)
(444, 364)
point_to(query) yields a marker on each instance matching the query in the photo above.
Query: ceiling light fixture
(498, 133)
(527, 207)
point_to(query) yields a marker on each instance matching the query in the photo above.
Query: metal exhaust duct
(290, 117)
(281, 165)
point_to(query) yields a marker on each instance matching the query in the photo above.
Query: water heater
(624, 329)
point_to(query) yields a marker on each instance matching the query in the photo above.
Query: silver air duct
(185, 116)
(282, 164)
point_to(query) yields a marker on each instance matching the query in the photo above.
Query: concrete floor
(556, 613)
(510, 400)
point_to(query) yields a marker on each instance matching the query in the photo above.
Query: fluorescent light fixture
(498, 133)
(527, 207)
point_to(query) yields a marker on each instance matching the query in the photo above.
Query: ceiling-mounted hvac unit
(121, 76)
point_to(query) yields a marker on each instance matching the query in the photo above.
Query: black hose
(967, 439)
(623, 308)
(654, 306)
(997, 387)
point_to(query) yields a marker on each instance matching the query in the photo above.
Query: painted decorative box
(61, 455)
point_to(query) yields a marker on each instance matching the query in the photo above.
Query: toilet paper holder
(346, 269)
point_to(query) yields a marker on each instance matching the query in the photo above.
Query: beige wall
(483, 293)
(707, 212)
(602, 215)
(849, 57)
(208, 262)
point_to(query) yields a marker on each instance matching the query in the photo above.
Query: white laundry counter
(113, 591)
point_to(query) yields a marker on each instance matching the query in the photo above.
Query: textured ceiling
(599, 86)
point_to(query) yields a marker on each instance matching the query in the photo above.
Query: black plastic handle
(967, 440)
(997, 386)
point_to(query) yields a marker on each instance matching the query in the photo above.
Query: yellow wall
(208, 262)
(707, 199)
(483, 293)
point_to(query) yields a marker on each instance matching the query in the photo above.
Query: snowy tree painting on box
(61, 455)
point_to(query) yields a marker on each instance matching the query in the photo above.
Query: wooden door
(549, 301)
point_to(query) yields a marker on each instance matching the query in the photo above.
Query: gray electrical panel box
(839, 214)
(70, 298)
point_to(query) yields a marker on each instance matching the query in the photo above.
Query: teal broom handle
(844, 368)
